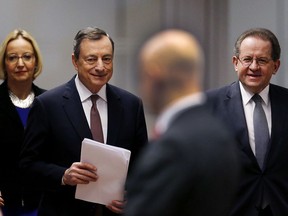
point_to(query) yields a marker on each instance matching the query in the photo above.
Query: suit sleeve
(141, 134)
(35, 169)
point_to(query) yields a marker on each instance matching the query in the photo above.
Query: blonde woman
(20, 65)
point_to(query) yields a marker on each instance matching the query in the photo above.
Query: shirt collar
(169, 113)
(247, 95)
(84, 93)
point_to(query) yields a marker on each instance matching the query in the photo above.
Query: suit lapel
(279, 120)
(74, 110)
(9, 109)
(115, 110)
(278, 112)
(237, 118)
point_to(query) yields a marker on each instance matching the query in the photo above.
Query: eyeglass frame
(267, 60)
(25, 55)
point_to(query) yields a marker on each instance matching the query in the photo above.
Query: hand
(80, 173)
(117, 206)
(1, 202)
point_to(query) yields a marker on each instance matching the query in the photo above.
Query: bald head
(171, 63)
(171, 46)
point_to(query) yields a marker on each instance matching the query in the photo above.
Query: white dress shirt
(248, 105)
(101, 103)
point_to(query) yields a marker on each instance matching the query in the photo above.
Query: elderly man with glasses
(256, 113)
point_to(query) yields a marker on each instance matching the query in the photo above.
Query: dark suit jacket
(11, 138)
(192, 169)
(273, 181)
(57, 126)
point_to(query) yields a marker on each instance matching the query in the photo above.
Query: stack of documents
(112, 167)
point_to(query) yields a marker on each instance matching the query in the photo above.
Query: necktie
(95, 121)
(261, 131)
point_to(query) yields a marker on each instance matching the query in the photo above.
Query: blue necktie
(261, 131)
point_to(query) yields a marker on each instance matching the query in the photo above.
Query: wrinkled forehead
(256, 44)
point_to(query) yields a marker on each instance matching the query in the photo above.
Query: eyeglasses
(247, 61)
(13, 58)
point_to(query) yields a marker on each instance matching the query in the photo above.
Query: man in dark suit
(264, 183)
(192, 167)
(60, 120)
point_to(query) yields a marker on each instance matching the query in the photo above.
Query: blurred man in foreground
(191, 168)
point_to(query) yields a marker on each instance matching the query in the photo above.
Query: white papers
(112, 166)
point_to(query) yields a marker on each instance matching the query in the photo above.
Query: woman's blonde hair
(25, 35)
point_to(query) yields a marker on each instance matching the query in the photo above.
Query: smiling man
(263, 185)
(60, 120)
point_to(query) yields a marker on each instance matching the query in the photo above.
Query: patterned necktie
(95, 121)
(261, 131)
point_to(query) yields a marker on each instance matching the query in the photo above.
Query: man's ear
(276, 66)
(235, 63)
(75, 62)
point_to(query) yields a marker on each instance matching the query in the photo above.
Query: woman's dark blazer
(11, 138)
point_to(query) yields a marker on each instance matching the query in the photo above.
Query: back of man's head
(171, 64)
